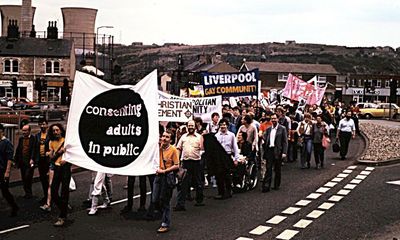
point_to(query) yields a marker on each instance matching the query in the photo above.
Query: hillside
(138, 60)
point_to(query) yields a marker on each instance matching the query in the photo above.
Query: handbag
(181, 173)
(300, 142)
(336, 146)
(325, 141)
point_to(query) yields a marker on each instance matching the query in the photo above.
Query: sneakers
(60, 222)
(163, 230)
(92, 211)
(106, 204)
(45, 208)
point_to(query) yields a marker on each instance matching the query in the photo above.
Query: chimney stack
(33, 32)
(12, 30)
(52, 30)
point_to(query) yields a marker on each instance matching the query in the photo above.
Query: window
(11, 66)
(282, 77)
(52, 67)
(378, 83)
(321, 81)
(387, 84)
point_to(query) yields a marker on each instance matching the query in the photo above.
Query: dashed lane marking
(330, 184)
(303, 203)
(276, 219)
(260, 230)
(342, 175)
(394, 182)
(343, 192)
(291, 210)
(348, 171)
(315, 214)
(322, 190)
(352, 167)
(362, 177)
(369, 168)
(243, 238)
(356, 181)
(326, 206)
(303, 223)
(350, 186)
(287, 234)
(337, 179)
(335, 198)
(14, 229)
(365, 173)
(313, 196)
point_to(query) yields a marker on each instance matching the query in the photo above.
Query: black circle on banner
(114, 128)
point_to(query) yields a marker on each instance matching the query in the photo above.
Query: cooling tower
(79, 24)
(26, 17)
(9, 12)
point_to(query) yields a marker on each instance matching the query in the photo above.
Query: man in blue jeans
(162, 192)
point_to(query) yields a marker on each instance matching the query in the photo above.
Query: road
(355, 202)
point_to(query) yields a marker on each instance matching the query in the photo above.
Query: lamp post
(97, 36)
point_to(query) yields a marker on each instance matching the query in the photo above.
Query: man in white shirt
(345, 131)
(275, 149)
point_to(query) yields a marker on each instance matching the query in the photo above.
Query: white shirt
(347, 125)
(272, 135)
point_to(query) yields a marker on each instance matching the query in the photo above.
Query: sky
(335, 22)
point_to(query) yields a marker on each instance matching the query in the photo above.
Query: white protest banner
(201, 107)
(174, 110)
(113, 129)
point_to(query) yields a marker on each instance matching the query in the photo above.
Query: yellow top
(54, 146)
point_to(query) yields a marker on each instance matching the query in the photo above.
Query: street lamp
(97, 36)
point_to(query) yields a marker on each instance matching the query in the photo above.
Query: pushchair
(245, 175)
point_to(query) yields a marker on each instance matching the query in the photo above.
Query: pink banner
(297, 89)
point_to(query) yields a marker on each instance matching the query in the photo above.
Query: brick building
(24, 60)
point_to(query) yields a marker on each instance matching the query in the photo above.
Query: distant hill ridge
(137, 60)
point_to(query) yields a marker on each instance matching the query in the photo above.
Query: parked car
(7, 115)
(45, 111)
(381, 110)
(366, 105)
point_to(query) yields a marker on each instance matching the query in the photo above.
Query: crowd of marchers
(248, 142)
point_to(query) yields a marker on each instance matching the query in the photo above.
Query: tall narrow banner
(231, 84)
(113, 129)
(180, 109)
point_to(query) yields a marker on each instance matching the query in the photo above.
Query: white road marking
(260, 230)
(313, 196)
(362, 177)
(303, 223)
(335, 198)
(365, 172)
(369, 168)
(303, 203)
(343, 192)
(342, 175)
(126, 199)
(352, 167)
(330, 184)
(337, 179)
(276, 220)
(350, 186)
(326, 205)
(347, 171)
(322, 190)
(243, 238)
(14, 229)
(394, 182)
(287, 234)
(355, 181)
(291, 210)
(315, 214)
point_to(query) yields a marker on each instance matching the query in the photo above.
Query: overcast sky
(338, 22)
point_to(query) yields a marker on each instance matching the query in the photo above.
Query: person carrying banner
(190, 146)
(99, 188)
(162, 193)
(62, 172)
(6, 158)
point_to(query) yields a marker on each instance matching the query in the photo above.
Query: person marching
(345, 131)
